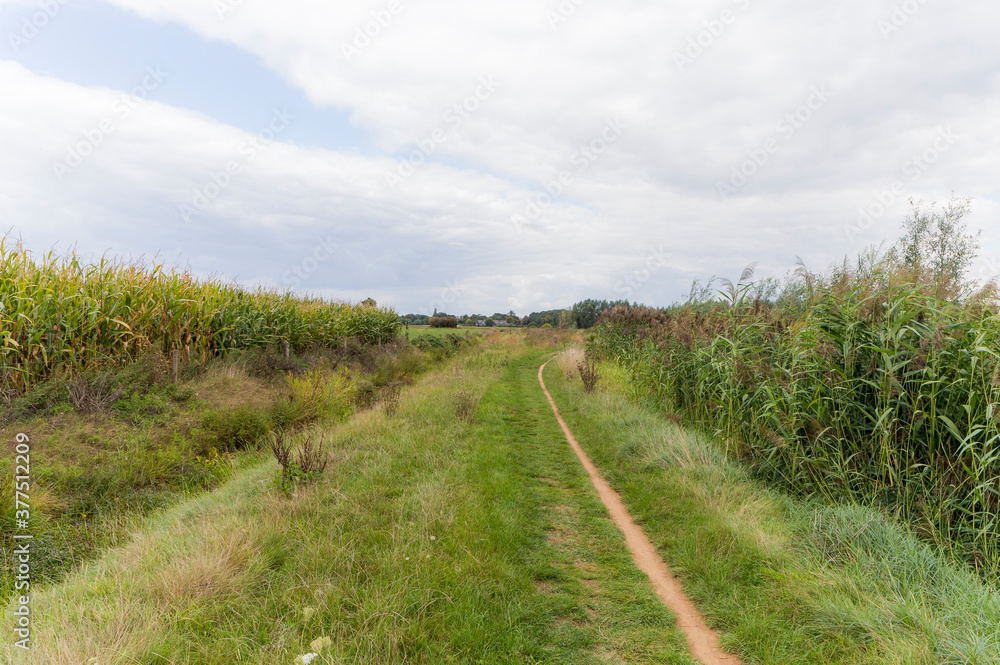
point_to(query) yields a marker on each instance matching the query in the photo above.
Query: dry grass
(569, 359)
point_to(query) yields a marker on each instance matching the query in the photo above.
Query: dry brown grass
(568, 361)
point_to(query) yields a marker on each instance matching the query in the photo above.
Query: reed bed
(60, 312)
(861, 385)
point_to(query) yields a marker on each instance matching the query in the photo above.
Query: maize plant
(63, 313)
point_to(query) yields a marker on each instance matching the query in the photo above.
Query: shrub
(365, 394)
(443, 322)
(317, 394)
(239, 429)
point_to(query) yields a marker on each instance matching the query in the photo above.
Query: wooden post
(174, 361)
(288, 351)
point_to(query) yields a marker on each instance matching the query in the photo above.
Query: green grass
(415, 331)
(785, 581)
(96, 474)
(459, 527)
(432, 538)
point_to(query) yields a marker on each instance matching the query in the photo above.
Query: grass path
(702, 640)
(431, 539)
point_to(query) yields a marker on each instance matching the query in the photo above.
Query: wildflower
(308, 613)
(433, 538)
(305, 659)
(320, 643)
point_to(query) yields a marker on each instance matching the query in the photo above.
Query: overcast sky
(480, 156)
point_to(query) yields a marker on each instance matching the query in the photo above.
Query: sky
(471, 156)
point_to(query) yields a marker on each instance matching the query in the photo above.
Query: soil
(703, 642)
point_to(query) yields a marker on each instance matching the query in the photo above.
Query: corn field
(864, 387)
(63, 313)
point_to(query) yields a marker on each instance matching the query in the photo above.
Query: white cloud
(451, 220)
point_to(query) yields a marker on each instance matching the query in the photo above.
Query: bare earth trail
(703, 642)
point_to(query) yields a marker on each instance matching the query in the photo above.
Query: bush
(317, 395)
(239, 429)
(444, 322)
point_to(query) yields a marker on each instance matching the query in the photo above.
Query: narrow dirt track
(703, 642)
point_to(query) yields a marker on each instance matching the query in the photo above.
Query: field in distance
(414, 331)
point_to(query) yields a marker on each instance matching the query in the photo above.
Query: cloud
(700, 90)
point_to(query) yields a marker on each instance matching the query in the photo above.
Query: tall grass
(861, 384)
(62, 312)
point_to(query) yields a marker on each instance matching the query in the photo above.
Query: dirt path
(703, 642)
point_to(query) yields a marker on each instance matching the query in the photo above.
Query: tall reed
(862, 385)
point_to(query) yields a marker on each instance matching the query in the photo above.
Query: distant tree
(936, 243)
(585, 313)
(490, 322)
(443, 322)
(369, 302)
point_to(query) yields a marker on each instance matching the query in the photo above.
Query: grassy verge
(113, 445)
(785, 581)
(455, 527)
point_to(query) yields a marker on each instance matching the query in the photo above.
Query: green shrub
(242, 428)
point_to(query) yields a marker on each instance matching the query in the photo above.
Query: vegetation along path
(702, 640)
(454, 525)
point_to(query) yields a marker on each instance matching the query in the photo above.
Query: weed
(93, 394)
(588, 373)
(390, 397)
(466, 402)
(306, 466)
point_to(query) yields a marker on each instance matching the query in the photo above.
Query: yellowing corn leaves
(62, 312)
